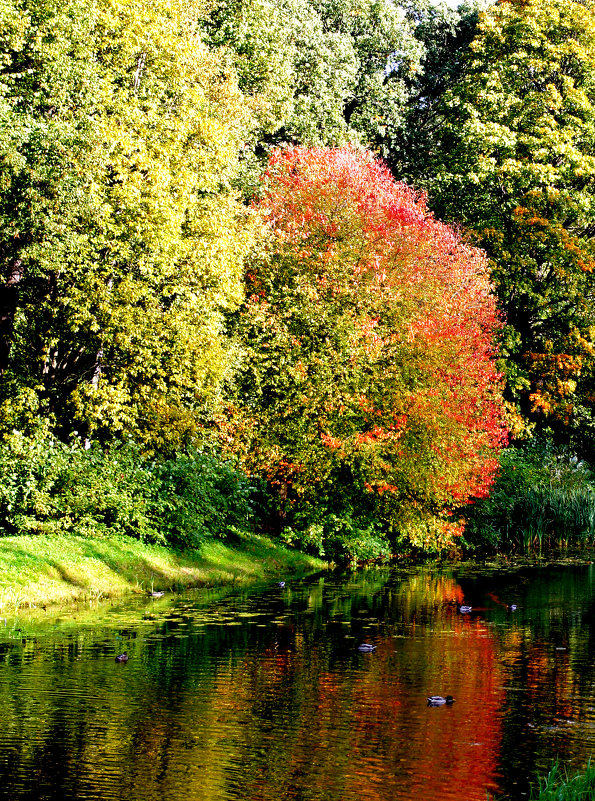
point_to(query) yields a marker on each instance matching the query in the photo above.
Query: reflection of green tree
(545, 712)
(266, 696)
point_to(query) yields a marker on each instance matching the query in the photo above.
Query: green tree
(318, 72)
(38, 199)
(388, 54)
(514, 160)
(444, 34)
(122, 242)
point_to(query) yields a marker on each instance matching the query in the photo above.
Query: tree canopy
(368, 347)
(123, 244)
(513, 158)
(317, 72)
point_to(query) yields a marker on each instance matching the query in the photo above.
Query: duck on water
(439, 700)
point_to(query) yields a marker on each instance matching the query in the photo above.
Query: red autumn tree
(369, 368)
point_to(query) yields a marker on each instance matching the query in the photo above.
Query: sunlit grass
(38, 570)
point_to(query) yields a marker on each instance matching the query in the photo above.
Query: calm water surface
(263, 695)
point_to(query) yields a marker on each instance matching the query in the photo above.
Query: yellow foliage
(170, 239)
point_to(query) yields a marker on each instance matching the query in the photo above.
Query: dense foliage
(122, 245)
(332, 335)
(544, 498)
(51, 487)
(511, 154)
(319, 72)
(368, 358)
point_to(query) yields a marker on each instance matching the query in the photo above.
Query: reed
(559, 514)
(559, 785)
(543, 499)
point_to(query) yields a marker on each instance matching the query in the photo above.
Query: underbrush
(49, 487)
(543, 498)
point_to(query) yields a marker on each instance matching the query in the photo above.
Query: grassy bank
(43, 570)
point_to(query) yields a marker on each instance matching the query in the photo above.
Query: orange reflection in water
(367, 732)
(405, 750)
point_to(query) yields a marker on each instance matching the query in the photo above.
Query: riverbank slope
(43, 570)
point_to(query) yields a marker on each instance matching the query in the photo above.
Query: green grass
(559, 785)
(41, 570)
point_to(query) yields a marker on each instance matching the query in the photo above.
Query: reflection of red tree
(299, 723)
(431, 753)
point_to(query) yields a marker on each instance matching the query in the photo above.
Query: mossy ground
(43, 570)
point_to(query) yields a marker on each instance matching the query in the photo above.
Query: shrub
(47, 486)
(31, 471)
(201, 496)
(342, 525)
(542, 495)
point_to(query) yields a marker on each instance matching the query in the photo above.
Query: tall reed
(559, 785)
(543, 499)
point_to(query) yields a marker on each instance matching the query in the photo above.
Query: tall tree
(122, 131)
(368, 348)
(444, 34)
(318, 72)
(515, 161)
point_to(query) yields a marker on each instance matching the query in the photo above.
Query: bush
(31, 475)
(339, 526)
(47, 486)
(542, 495)
(201, 496)
(110, 491)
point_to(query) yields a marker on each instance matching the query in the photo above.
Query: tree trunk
(9, 298)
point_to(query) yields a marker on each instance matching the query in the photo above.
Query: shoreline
(50, 571)
(42, 571)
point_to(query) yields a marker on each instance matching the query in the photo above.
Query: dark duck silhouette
(122, 657)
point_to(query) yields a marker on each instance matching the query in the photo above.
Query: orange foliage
(400, 383)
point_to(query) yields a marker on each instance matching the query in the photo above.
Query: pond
(264, 694)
